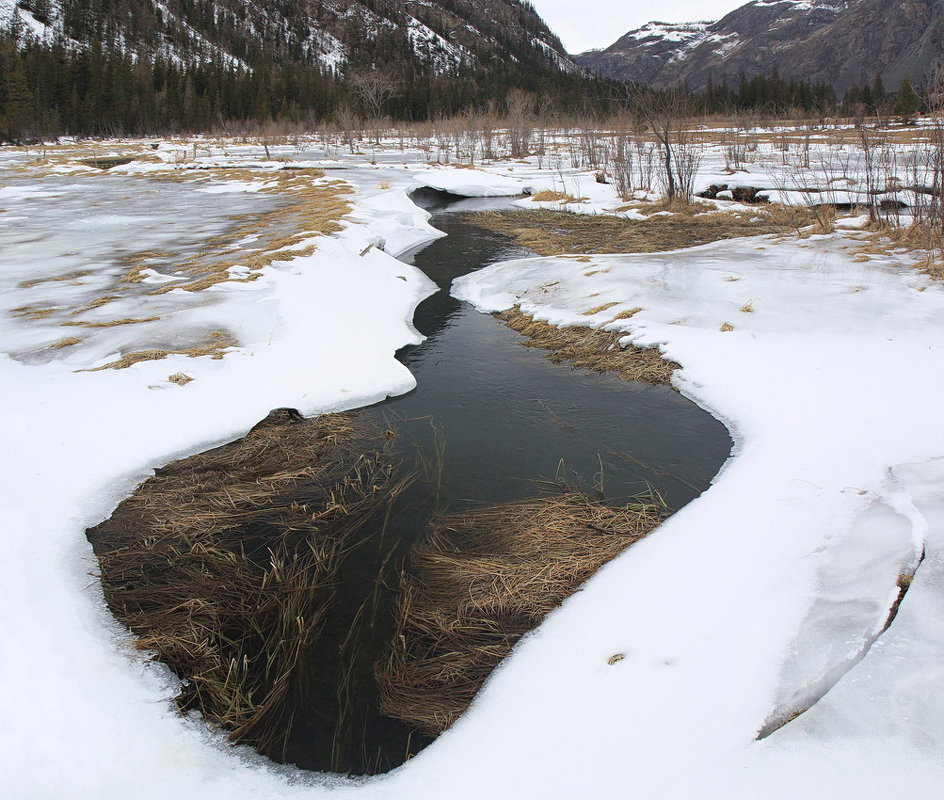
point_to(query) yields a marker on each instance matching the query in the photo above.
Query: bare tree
(373, 88)
(665, 114)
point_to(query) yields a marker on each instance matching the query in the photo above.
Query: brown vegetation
(484, 578)
(553, 233)
(598, 351)
(223, 564)
(216, 348)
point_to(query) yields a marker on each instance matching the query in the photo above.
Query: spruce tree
(19, 108)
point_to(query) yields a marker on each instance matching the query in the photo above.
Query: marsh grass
(554, 233)
(113, 323)
(218, 346)
(595, 350)
(223, 564)
(75, 275)
(885, 239)
(481, 580)
(550, 196)
(67, 341)
(312, 208)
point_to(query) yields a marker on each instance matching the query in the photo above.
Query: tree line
(53, 88)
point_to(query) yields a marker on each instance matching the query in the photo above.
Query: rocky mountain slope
(841, 42)
(439, 35)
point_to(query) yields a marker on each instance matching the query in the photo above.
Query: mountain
(440, 36)
(840, 42)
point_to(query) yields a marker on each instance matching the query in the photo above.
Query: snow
(682, 32)
(442, 54)
(769, 592)
(788, 564)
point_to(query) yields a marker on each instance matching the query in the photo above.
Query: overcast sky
(584, 24)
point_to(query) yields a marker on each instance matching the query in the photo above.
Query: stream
(498, 421)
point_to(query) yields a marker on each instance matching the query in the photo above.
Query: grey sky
(584, 24)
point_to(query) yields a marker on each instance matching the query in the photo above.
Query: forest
(57, 87)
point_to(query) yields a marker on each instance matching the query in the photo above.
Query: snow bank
(771, 586)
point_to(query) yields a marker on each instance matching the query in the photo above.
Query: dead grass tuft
(549, 196)
(222, 565)
(484, 578)
(67, 277)
(216, 349)
(726, 327)
(109, 324)
(677, 206)
(32, 312)
(925, 240)
(598, 351)
(598, 309)
(629, 312)
(68, 341)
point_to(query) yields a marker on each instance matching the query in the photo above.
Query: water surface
(502, 421)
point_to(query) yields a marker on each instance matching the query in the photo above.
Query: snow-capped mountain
(841, 42)
(441, 35)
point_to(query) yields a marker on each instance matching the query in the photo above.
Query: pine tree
(19, 107)
(907, 100)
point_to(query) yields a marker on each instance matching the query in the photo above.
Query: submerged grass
(595, 350)
(484, 578)
(223, 564)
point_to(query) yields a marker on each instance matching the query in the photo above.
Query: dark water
(498, 419)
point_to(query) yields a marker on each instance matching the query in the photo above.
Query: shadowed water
(497, 419)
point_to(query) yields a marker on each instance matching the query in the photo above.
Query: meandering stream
(498, 419)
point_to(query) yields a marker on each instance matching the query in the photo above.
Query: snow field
(763, 594)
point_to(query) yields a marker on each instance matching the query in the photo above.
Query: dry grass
(484, 578)
(726, 327)
(748, 307)
(554, 233)
(549, 196)
(68, 341)
(219, 345)
(114, 323)
(96, 302)
(677, 205)
(180, 378)
(884, 239)
(66, 277)
(590, 312)
(598, 351)
(313, 208)
(32, 312)
(627, 314)
(222, 565)
(281, 234)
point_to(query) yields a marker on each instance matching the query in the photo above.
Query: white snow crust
(768, 593)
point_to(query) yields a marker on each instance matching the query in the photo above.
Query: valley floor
(769, 595)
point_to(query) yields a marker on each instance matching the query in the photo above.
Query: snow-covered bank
(756, 596)
(81, 715)
(772, 584)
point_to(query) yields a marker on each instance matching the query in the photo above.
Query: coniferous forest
(105, 87)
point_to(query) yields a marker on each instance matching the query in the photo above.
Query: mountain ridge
(841, 42)
(436, 35)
